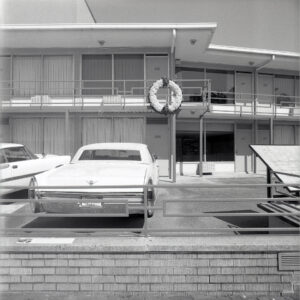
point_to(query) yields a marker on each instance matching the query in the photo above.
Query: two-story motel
(67, 84)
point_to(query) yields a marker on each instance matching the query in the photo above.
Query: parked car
(18, 164)
(103, 164)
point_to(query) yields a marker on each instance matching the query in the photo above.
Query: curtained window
(54, 136)
(97, 75)
(129, 67)
(129, 130)
(101, 130)
(29, 133)
(96, 130)
(27, 75)
(58, 75)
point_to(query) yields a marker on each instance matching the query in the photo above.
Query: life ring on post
(176, 96)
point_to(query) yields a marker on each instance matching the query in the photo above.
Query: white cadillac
(18, 164)
(91, 177)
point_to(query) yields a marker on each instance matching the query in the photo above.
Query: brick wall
(157, 272)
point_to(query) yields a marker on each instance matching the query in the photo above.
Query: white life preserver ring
(176, 97)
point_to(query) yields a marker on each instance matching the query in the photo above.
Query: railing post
(201, 146)
(145, 211)
(269, 181)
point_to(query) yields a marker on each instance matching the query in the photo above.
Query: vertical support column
(204, 141)
(201, 146)
(67, 132)
(271, 131)
(255, 142)
(173, 146)
(170, 146)
(269, 181)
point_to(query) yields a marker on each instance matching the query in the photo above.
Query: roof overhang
(191, 42)
(186, 39)
(256, 58)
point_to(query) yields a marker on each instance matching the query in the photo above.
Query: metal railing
(129, 93)
(167, 208)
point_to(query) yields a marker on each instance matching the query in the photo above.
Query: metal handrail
(146, 230)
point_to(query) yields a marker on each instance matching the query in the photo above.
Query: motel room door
(243, 138)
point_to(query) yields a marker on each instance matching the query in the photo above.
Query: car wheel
(150, 201)
(34, 204)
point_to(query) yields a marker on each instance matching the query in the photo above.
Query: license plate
(90, 205)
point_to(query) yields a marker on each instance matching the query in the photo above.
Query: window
(16, 154)
(97, 75)
(191, 83)
(284, 90)
(187, 147)
(222, 86)
(110, 154)
(219, 146)
(129, 74)
(2, 157)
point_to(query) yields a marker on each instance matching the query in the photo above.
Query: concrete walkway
(125, 296)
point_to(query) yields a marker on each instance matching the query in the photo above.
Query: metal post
(255, 142)
(269, 181)
(201, 146)
(271, 131)
(170, 147)
(173, 147)
(145, 211)
(67, 132)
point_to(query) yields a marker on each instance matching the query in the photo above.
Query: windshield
(110, 154)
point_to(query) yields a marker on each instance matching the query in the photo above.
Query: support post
(201, 146)
(271, 131)
(67, 132)
(255, 143)
(269, 181)
(173, 146)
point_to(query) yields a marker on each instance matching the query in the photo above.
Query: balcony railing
(123, 94)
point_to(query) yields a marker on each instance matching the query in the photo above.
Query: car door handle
(14, 166)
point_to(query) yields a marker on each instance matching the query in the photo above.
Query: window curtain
(97, 75)
(54, 136)
(129, 67)
(29, 133)
(96, 130)
(265, 89)
(284, 135)
(243, 87)
(129, 130)
(26, 76)
(284, 90)
(58, 75)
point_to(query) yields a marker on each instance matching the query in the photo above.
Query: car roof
(9, 145)
(117, 146)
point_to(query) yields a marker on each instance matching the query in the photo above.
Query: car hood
(95, 174)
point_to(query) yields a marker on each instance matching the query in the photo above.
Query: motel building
(79, 72)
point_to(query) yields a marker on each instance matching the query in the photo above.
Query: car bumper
(103, 207)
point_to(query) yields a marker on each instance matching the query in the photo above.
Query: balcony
(132, 96)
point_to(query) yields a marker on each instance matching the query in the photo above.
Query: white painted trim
(254, 51)
(90, 26)
(174, 33)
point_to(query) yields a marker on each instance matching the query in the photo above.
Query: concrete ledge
(245, 243)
